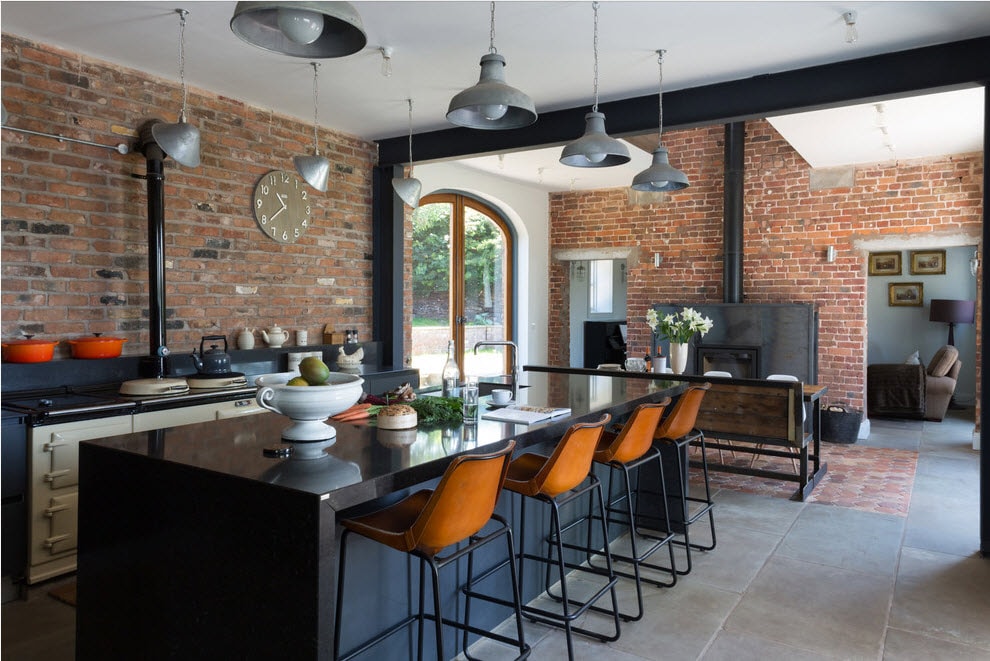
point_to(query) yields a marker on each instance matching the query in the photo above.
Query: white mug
(501, 396)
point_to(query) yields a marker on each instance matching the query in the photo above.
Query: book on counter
(523, 414)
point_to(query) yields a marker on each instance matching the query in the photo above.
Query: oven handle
(238, 411)
(54, 475)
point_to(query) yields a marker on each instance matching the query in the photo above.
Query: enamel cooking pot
(213, 360)
(28, 351)
(96, 347)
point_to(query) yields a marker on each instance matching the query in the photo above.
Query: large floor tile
(845, 538)
(756, 512)
(909, 646)
(943, 596)
(815, 607)
(730, 646)
(736, 560)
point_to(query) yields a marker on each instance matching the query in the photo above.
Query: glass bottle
(451, 373)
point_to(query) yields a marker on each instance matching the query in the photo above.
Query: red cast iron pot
(96, 347)
(28, 351)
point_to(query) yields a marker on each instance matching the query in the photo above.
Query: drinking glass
(469, 399)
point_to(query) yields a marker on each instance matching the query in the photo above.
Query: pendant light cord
(410, 129)
(182, 59)
(660, 97)
(594, 5)
(316, 106)
(491, 33)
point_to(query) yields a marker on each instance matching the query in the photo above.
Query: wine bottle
(451, 373)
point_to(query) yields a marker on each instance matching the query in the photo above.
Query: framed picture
(906, 293)
(927, 262)
(885, 263)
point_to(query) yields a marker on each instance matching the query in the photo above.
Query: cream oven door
(187, 415)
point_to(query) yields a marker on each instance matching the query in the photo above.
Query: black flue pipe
(732, 220)
(153, 365)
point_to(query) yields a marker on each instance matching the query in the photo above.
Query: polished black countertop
(366, 462)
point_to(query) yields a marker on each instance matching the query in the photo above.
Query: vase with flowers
(679, 328)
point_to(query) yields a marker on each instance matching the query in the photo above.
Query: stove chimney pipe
(154, 364)
(732, 220)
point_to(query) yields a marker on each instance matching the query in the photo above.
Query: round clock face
(282, 206)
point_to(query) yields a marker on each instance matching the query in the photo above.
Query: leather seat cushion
(942, 361)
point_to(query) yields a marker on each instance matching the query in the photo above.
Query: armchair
(911, 391)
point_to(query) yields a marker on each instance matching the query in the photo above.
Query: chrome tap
(515, 361)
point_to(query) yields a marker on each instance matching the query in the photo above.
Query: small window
(600, 286)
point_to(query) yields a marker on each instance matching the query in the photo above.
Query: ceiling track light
(595, 149)
(852, 34)
(314, 169)
(315, 30)
(491, 104)
(408, 188)
(661, 176)
(179, 140)
(386, 52)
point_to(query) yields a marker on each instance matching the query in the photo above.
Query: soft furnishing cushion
(913, 359)
(943, 360)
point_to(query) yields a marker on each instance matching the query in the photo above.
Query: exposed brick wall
(75, 224)
(787, 228)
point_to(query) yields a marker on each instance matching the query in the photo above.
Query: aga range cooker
(57, 420)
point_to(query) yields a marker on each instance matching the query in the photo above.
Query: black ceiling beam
(862, 80)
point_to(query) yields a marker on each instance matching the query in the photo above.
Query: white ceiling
(548, 47)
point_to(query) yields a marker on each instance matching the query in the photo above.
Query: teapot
(275, 336)
(214, 360)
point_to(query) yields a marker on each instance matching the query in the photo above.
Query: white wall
(527, 209)
(894, 332)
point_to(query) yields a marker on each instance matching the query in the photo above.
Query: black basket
(840, 424)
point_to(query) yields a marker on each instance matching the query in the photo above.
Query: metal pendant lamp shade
(180, 140)
(408, 188)
(661, 176)
(317, 30)
(595, 149)
(315, 169)
(491, 104)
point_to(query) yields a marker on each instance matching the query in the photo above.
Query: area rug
(862, 478)
(65, 593)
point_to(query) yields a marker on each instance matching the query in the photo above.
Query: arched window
(462, 285)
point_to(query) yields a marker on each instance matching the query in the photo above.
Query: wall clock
(282, 206)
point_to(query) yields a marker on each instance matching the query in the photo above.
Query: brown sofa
(912, 391)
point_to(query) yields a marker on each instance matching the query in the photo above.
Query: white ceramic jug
(245, 339)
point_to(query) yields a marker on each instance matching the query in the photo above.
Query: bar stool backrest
(636, 436)
(791, 378)
(681, 420)
(462, 502)
(570, 462)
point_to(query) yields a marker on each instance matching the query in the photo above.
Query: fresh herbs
(437, 410)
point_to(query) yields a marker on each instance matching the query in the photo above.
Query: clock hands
(282, 202)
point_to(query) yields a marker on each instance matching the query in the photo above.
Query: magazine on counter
(523, 414)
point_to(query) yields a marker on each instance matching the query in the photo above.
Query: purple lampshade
(952, 312)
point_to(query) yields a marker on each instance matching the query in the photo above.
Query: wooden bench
(755, 413)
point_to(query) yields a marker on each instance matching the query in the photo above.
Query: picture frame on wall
(927, 262)
(909, 294)
(885, 263)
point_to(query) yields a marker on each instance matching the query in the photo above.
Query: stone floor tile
(909, 646)
(729, 646)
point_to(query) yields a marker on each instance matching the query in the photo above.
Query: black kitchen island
(193, 544)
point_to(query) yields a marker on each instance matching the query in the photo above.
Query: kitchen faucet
(515, 361)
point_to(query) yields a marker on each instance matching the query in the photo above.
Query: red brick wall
(75, 221)
(787, 228)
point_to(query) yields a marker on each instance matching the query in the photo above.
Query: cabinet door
(61, 513)
(55, 448)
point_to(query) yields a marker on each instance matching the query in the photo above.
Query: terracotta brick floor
(859, 477)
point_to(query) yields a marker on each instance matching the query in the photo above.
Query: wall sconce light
(830, 254)
(852, 34)
(974, 263)
(579, 270)
(656, 260)
(622, 271)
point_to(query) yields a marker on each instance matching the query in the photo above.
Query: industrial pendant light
(661, 176)
(595, 149)
(180, 140)
(408, 188)
(317, 30)
(314, 169)
(491, 104)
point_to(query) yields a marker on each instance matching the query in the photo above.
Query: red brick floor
(863, 478)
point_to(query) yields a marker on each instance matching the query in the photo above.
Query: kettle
(214, 360)
(275, 336)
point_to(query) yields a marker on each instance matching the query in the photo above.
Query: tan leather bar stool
(460, 508)
(678, 430)
(556, 481)
(625, 452)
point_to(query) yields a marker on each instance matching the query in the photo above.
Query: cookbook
(523, 414)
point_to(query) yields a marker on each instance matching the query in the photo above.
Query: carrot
(358, 410)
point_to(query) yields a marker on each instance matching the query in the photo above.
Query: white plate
(496, 405)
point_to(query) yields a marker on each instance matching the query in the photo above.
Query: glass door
(462, 284)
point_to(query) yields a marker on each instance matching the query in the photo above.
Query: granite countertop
(365, 461)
